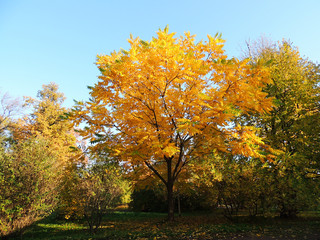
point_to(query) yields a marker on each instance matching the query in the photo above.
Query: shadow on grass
(115, 225)
(131, 225)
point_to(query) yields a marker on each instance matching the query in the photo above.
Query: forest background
(179, 121)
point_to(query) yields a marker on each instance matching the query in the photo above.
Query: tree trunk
(170, 201)
(179, 208)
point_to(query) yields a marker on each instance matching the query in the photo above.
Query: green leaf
(124, 52)
(144, 43)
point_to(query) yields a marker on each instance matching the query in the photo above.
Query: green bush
(29, 180)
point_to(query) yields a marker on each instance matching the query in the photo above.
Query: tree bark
(179, 208)
(169, 184)
(170, 201)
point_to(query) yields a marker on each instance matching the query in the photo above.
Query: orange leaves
(170, 150)
(169, 97)
(246, 142)
(189, 127)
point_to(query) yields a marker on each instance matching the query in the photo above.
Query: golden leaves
(160, 94)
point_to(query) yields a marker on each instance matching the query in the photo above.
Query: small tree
(94, 192)
(101, 191)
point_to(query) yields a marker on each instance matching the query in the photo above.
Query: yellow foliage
(170, 100)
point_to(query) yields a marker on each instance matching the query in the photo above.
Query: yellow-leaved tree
(46, 121)
(169, 101)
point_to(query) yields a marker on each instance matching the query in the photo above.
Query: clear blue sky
(44, 41)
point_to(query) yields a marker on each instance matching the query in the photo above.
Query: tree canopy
(169, 100)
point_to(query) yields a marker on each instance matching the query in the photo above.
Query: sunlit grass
(65, 226)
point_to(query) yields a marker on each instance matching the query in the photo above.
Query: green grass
(130, 225)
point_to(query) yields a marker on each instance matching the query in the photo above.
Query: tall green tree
(293, 125)
(288, 182)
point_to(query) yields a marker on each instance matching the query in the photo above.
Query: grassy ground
(130, 225)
